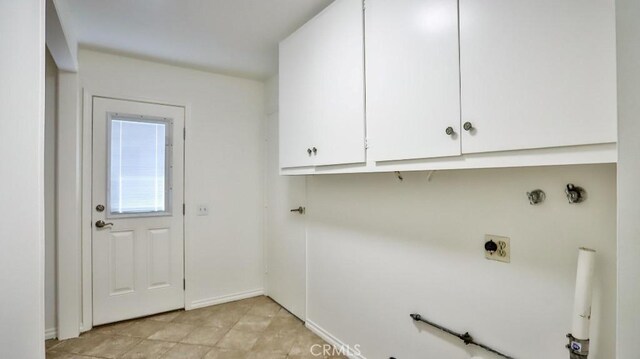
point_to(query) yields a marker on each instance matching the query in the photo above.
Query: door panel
(413, 82)
(137, 192)
(340, 131)
(537, 73)
(159, 256)
(121, 262)
(286, 232)
(299, 97)
(322, 89)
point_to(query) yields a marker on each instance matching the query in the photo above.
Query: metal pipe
(466, 337)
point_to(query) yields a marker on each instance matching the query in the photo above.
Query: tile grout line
(196, 323)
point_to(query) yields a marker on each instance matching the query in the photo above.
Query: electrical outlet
(497, 248)
(203, 210)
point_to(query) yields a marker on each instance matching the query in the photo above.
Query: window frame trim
(168, 180)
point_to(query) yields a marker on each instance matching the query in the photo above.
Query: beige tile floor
(255, 328)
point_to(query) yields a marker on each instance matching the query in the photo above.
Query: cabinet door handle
(299, 210)
(449, 131)
(315, 151)
(467, 126)
(309, 151)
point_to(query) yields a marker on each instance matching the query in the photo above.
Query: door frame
(85, 277)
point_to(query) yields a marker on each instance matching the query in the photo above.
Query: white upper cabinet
(413, 83)
(449, 84)
(537, 73)
(322, 89)
(299, 99)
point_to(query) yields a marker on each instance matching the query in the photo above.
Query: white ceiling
(238, 37)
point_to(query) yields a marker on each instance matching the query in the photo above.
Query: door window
(139, 167)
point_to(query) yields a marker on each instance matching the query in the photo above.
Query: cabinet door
(340, 132)
(537, 73)
(299, 97)
(413, 84)
(322, 89)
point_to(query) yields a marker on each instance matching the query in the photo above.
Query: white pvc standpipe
(582, 303)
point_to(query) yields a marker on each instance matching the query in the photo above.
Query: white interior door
(137, 200)
(286, 243)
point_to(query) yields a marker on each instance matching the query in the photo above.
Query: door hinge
(364, 5)
(184, 133)
(366, 144)
(184, 209)
(184, 284)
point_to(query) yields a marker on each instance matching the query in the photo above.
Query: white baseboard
(50, 333)
(225, 299)
(329, 338)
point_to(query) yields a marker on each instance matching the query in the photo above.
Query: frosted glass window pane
(137, 166)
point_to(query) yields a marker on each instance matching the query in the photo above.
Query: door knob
(102, 224)
(467, 126)
(449, 131)
(299, 210)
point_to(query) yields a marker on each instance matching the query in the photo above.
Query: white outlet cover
(503, 254)
(203, 210)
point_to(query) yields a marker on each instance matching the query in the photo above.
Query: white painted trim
(331, 339)
(628, 247)
(265, 203)
(68, 206)
(224, 299)
(51, 333)
(306, 254)
(86, 306)
(61, 40)
(185, 219)
(86, 322)
(41, 159)
(131, 97)
(571, 155)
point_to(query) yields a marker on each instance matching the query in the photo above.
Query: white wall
(628, 26)
(223, 165)
(22, 70)
(51, 76)
(379, 249)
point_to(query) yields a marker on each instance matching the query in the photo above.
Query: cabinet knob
(315, 150)
(309, 151)
(449, 131)
(467, 126)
